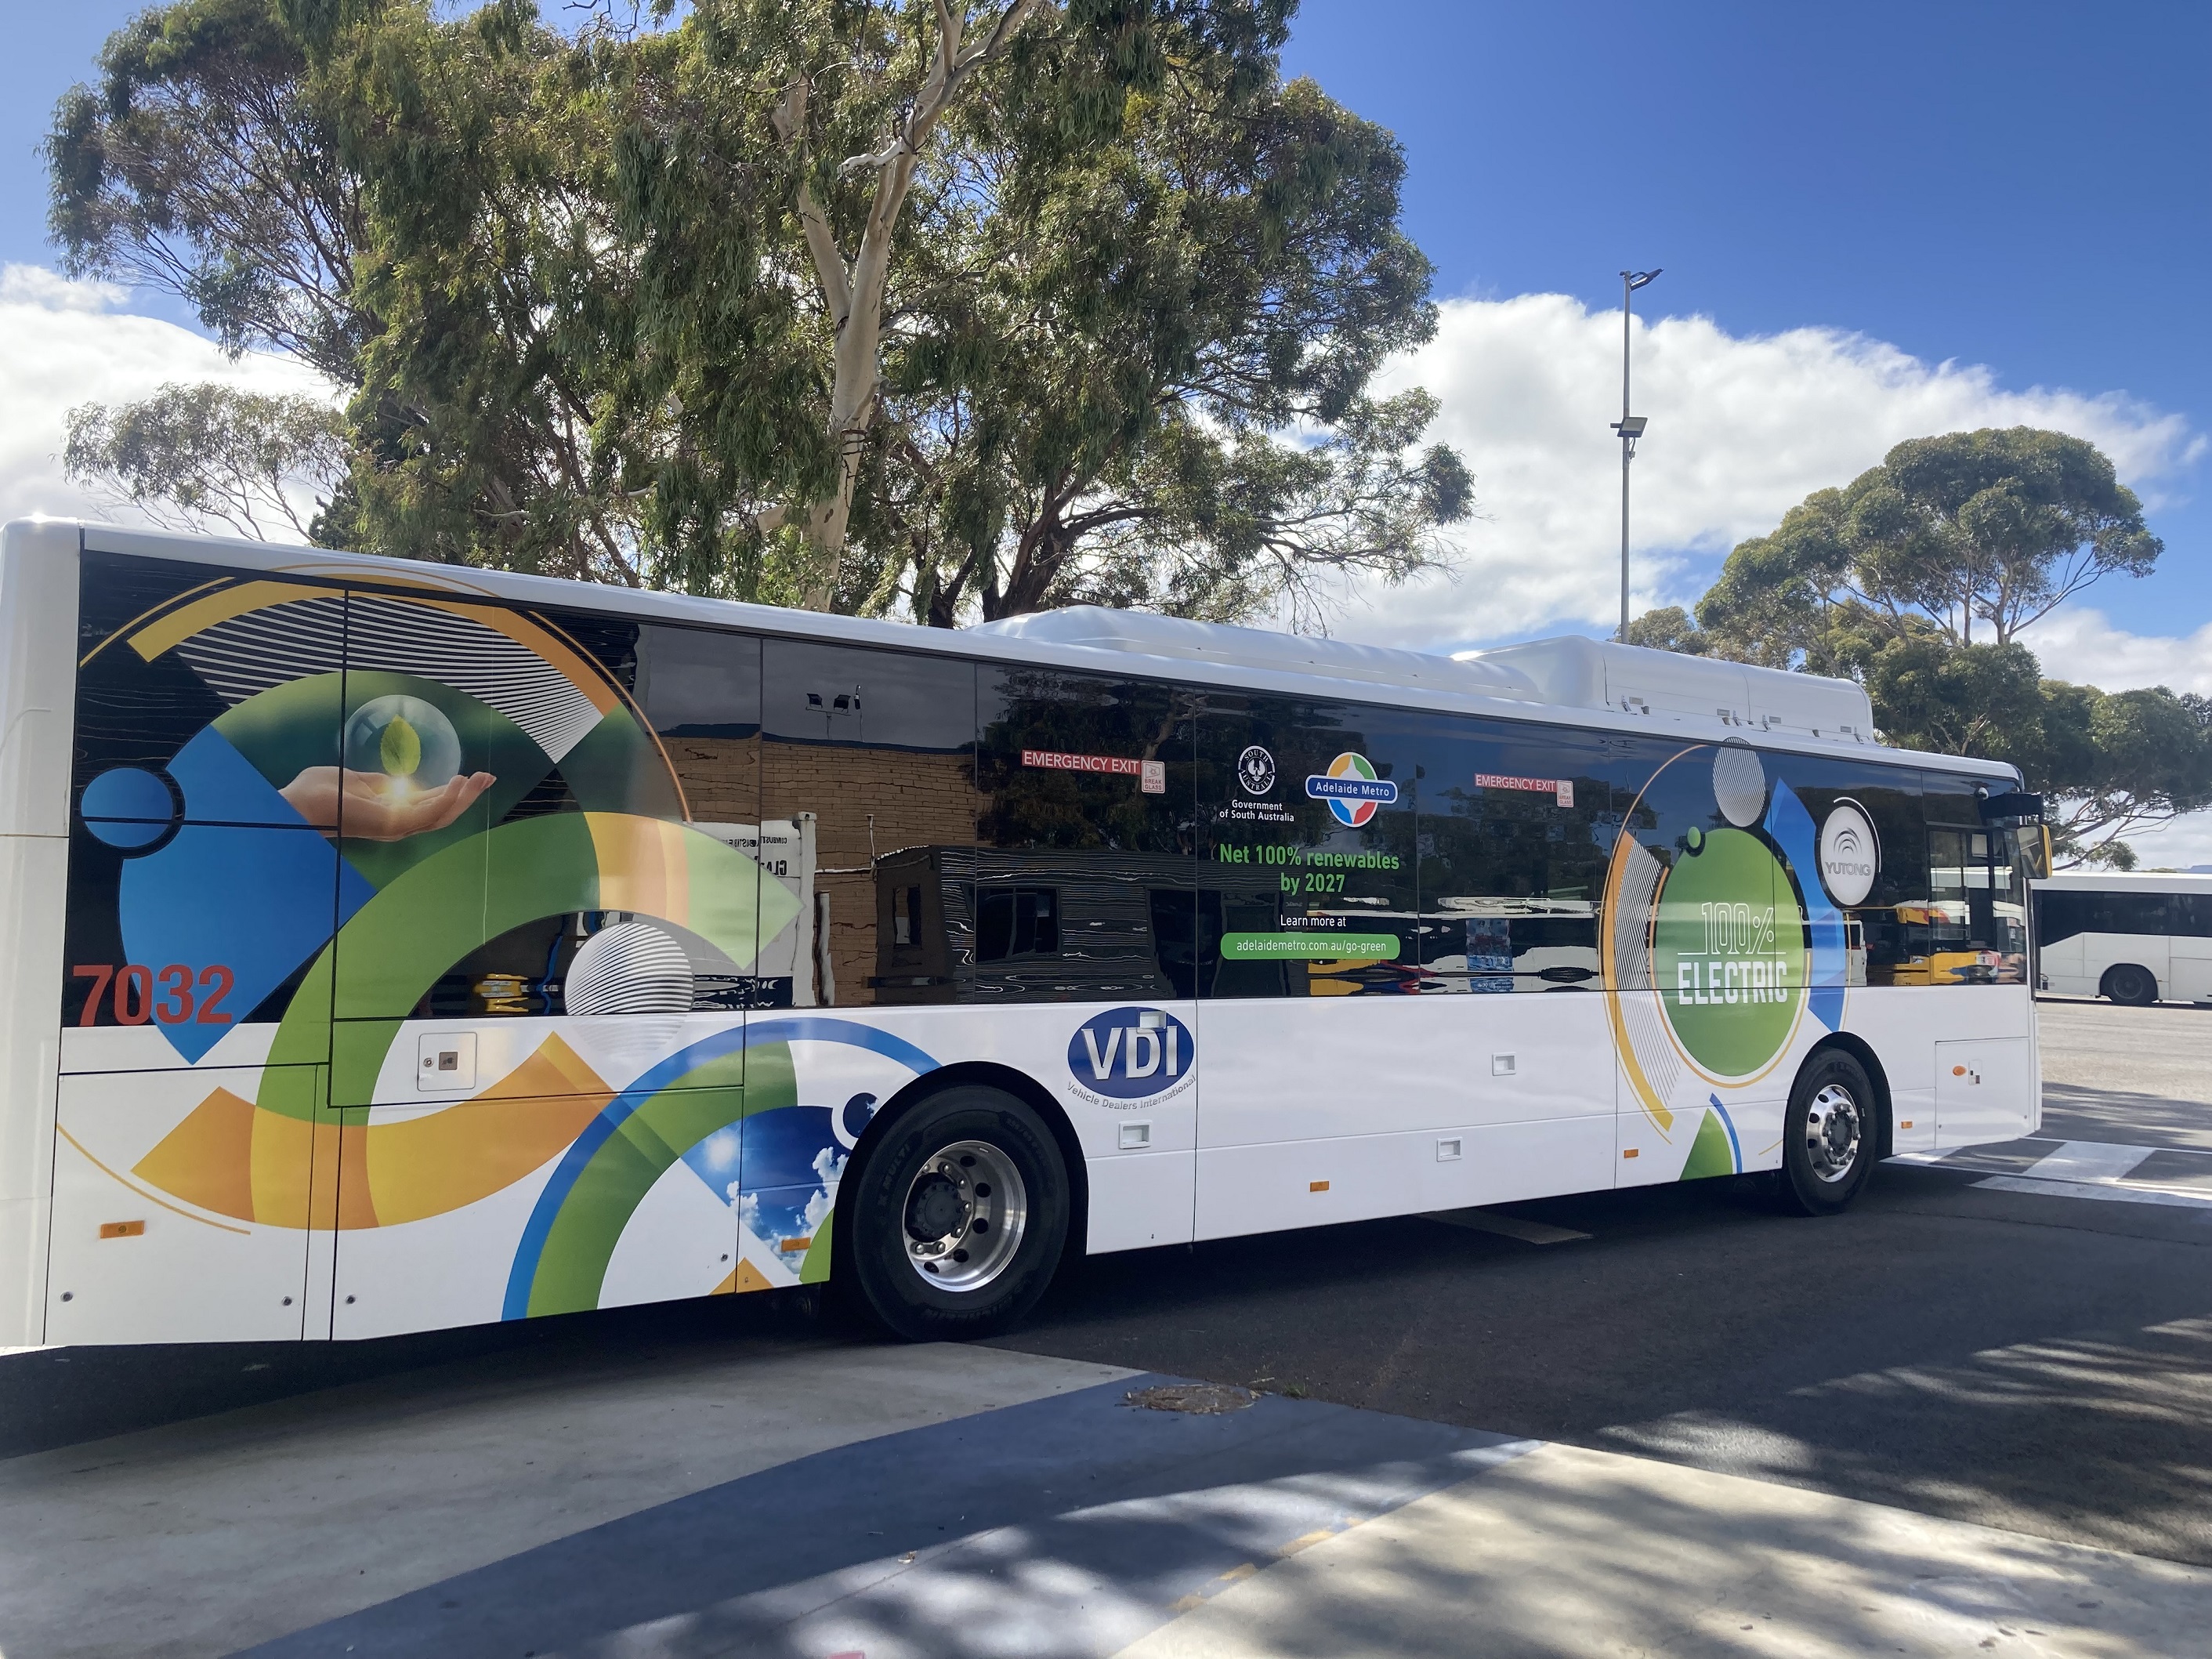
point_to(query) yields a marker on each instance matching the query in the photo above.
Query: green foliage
(1998, 526)
(1670, 628)
(196, 456)
(203, 164)
(604, 297)
(1155, 347)
(1956, 699)
(2118, 762)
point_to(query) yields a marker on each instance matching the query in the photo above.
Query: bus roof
(1565, 681)
(2127, 881)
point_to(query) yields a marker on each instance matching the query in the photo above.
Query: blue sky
(2025, 185)
(2022, 187)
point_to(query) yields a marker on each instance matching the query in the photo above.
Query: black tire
(1830, 1136)
(908, 1217)
(2131, 986)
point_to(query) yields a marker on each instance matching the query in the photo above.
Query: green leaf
(400, 749)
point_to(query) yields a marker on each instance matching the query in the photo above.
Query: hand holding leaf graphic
(365, 803)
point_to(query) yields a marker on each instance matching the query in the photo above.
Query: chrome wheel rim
(1833, 1132)
(966, 1210)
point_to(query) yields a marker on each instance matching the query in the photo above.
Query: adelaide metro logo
(1851, 857)
(1131, 1056)
(1352, 789)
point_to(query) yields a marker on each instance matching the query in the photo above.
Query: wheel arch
(987, 1074)
(2105, 980)
(1862, 1051)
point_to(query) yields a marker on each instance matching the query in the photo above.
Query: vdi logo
(1131, 1054)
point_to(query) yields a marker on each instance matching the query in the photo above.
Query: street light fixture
(1630, 428)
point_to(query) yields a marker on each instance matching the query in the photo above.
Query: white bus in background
(387, 946)
(2137, 939)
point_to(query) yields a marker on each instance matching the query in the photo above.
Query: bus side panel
(160, 1235)
(32, 871)
(38, 633)
(1911, 1027)
(2064, 968)
(1362, 1107)
(2101, 952)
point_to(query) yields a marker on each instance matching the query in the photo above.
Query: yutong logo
(1849, 855)
(1352, 789)
(1131, 1056)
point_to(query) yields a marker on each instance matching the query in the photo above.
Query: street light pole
(1630, 428)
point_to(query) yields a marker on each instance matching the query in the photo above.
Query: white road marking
(2086, 1160)
(2168, 1195)
(2077, 1169)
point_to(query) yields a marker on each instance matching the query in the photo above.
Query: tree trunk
(854, 292)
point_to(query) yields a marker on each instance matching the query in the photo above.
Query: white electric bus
(2138, 938)
(386, 946)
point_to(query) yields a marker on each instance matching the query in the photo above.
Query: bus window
(1977, 908)
(1889, 920)
(1083, 873)
(2063, 913)
(1516, 825)
(875, 750)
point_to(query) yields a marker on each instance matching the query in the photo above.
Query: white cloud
(1742, 428)
(2084, 646)
(35, 285)
(62, 344)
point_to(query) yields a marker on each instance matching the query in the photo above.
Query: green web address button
(1309, 947)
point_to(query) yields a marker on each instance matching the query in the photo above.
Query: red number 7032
(135, 1000)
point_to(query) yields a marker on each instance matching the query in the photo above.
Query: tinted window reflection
(869, 756)
(1082, 877)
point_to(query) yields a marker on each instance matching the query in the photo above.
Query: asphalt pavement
(1973, 1414)
(1969, 1340)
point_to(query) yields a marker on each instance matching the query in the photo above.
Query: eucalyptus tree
(891, 305)
(1997, 527)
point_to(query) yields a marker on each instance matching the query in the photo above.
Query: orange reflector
(1958, 1070)
(1316, 1186)
(1905, 1123)
(1630, 1151)
(793, 1243)
(121, 1229)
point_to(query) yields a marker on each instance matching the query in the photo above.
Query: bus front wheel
(2130, 987)
(1830, 1134)
(958, 1216)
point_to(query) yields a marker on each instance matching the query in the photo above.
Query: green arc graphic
(434, 914)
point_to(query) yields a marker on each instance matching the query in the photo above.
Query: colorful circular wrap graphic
(1729, 954)
(252, 880)
(1718, 940)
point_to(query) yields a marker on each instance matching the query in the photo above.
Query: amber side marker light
(122, 1228)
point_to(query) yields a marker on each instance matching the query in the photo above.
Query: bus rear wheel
(956, 1222)
(2131, 986)
(1829, 1134)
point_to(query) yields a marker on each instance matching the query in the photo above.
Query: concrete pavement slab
(1061, 1528)
(1570, 1552)
(209, 1535)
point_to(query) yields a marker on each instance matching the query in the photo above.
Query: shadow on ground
(2024, 1363)
(54, 1397)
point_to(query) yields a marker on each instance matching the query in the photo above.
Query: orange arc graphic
(232, 1158)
